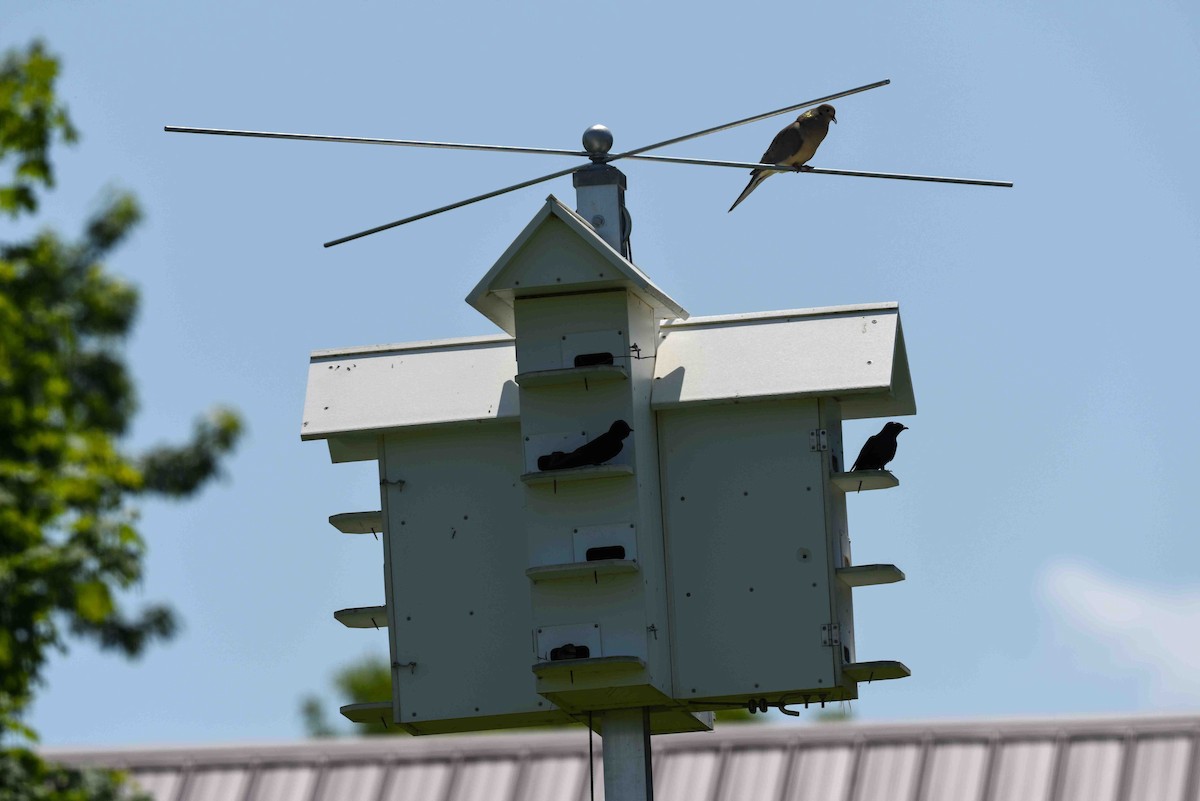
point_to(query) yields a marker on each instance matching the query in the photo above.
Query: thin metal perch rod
(364, 140)
(636, 153)
(903, 177)
(755, 118)
(466, 202)
(549, 151)
(745, 165)
(627, 154)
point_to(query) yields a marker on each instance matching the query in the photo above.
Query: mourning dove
(879, 449)
(793, 146)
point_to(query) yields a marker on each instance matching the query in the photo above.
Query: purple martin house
(698, 561)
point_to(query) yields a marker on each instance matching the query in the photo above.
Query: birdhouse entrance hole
(605, 552)
(593, 359)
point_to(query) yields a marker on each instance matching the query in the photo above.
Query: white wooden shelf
(592, 666)
(358, 522)
(579, 570)
(593, 374)
(577, 474)
(876, 671)
(859, 480)
(866, 575)
(363, 617)
(369, 712)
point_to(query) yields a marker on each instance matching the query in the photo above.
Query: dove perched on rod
(793, 146)
(879, 449)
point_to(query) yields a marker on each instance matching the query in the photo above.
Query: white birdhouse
(612, 506)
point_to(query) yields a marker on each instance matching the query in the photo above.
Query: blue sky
(1045, 518)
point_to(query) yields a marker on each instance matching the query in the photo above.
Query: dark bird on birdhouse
(570, 651)
(598, 451)
(793, 146)
(879, 449)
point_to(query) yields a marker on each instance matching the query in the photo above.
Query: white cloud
(1139, 628)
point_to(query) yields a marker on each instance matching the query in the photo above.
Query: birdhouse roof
(353, 393)
(855, 353)
(559, 252)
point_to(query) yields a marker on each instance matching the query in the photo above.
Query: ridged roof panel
(1110, 759)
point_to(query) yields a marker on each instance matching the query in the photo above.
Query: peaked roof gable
(559, 252)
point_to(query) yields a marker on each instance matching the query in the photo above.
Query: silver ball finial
(597, 140)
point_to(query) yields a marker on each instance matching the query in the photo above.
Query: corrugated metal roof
(1091, 759)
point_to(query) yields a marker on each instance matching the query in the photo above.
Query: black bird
(598, 451)
(570, 651)
(879, 449)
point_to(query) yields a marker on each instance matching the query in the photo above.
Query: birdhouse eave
(497, 291)
(854, 353)
(355, 393)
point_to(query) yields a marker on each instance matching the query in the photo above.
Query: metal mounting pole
(628, 771)
(600, 199)
(600, 192)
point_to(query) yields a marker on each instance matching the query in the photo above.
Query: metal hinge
(818, 440)
(831, 634)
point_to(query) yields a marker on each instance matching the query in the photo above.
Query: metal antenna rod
(902, 177)
(509, 148)
(362, 140)
(823, 171)
(755, 118)
(626, 154)
(742, 165)
(549, 151)
(466, 202)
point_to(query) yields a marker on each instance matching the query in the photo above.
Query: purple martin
(570, 651)
(598, 451)
(793, 146)
(880, 448)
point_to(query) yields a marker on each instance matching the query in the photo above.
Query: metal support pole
(628, 771)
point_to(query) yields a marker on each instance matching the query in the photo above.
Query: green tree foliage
(26, 777)
(69, 542)
(30, 118)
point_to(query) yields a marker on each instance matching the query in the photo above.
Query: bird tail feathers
(756, 178)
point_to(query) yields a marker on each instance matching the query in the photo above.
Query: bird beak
(834, 120)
